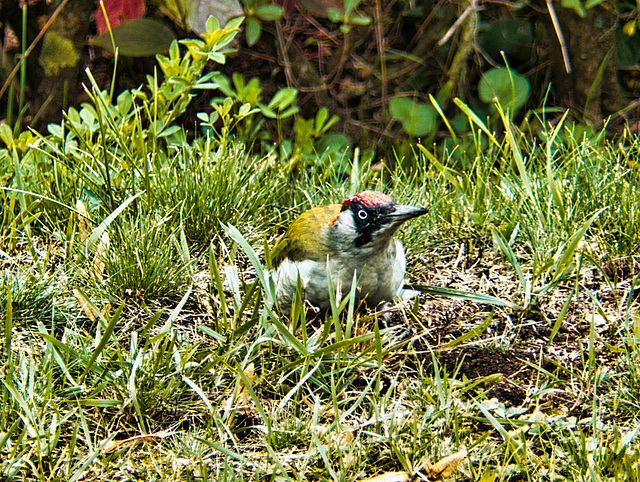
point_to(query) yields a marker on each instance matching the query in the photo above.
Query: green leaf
(217, 57)
(575, 5)
(283, 98)
(7, 136)
(505, 87)
(254, 30)
(417, 119)
(169, 131)
(289, 112)
(212, 24)
(513, 37)
(361, 20)
(335, 15)
(351, 5)
(141, 37)
(321, 117)
(269, 12)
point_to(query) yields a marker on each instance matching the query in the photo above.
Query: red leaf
(118, 11)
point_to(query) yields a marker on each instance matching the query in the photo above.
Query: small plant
(256, 12)
(113, 148)
(243, 115)
(205, 186)
(348, 16)
(25, 296)
(505, 87)
(418, 119)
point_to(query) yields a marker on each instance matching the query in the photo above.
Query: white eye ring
(362, 214)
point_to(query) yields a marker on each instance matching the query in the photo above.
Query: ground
(517, 342)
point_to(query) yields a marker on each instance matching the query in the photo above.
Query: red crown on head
(368, 199)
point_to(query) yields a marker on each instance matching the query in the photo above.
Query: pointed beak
(404, 212)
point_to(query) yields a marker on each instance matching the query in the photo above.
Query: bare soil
(517, 343)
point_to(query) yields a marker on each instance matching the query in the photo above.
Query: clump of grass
(31, 297)
(207, 187)
(144, 260)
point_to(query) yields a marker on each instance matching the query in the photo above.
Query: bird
(343, 240)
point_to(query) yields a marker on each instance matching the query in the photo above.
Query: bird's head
(370, 218)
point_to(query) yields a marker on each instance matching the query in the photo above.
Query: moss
(57, 53)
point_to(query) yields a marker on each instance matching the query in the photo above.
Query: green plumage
(305, 238)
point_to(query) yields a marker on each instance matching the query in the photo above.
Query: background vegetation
(139, 338)
(383, 68)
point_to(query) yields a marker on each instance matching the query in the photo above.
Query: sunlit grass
(140, 340)
(184, 371)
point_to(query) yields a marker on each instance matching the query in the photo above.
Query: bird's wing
(306, 237)
(278, 253)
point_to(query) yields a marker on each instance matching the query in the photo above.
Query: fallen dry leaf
(446, 466)
(249, 372)
(85, 306)
(101, 251)
(342, 439)
(117, 444)
(389, 477)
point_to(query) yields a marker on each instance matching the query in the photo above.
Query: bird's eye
(362, 214)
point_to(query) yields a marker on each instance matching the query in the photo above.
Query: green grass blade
(568, 253)
(462, 295)
(217, 279)
(194, 386)
(97, 232)
(224, 450)
(290, 337)
(517, 156)
(561, 317)
(476, 120)
(81, 471)
(436, 106)
(8, 326)
(103, 341)
(551, 180)
(471, 334)
(513, 261)
(261, 273)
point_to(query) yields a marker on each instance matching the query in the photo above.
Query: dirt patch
(524, 346)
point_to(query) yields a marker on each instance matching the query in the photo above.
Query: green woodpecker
(342, 239)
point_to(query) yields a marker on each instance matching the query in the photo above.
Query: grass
(169, 364)
(139, 339)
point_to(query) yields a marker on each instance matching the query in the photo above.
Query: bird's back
(305, 239)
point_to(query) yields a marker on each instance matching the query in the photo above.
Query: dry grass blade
(87, 307)
(83, 215)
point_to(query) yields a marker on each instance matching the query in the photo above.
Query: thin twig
(383, 65)
(556, 27)
(456, 24)
(31, 47)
